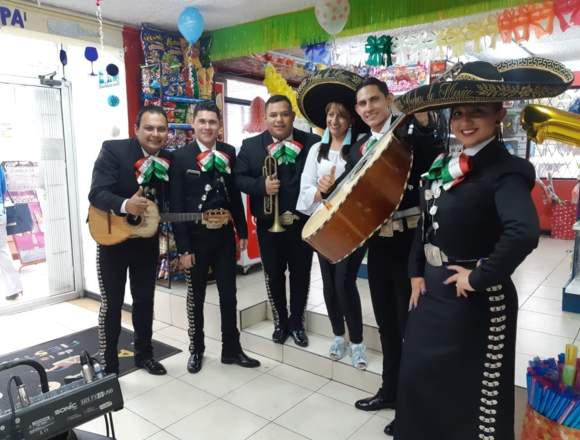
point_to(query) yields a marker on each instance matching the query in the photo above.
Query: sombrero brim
(528, 78)
(331, 85)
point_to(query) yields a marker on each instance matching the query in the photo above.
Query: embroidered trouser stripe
(495, 351)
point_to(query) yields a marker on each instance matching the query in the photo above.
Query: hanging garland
(100, 22)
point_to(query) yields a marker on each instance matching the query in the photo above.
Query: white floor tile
(139, 382)
(218, 421)
(344, 393)
(554, 325)
(322, 418)
(128, 426)
(273, 431)
(268, 396)
(220, 379)
(299, 377)
(522, 361)
(540, 344)
(162, 435)
(549, 292)
(371, 430)
(167, 404)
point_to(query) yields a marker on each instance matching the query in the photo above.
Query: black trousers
(280, 251)
(139, 256)
(341, 294)
(390, 289)
(215, 248)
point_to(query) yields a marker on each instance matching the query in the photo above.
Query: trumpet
(271, 202)
(542, 122)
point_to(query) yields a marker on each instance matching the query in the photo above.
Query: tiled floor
(278, 401)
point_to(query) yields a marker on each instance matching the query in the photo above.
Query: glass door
(36, 154)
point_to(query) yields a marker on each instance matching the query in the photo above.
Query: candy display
(554, 388)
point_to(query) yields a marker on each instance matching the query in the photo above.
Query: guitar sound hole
(134, 220)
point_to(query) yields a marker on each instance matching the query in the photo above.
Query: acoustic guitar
(366, 198)
(108, 229)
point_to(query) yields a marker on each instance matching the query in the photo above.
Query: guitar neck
(175, 217)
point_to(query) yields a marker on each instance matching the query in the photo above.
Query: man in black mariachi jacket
(280, 250)
(116, 189)
(388, 250)
(202, 181)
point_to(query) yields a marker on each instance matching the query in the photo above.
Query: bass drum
(364, 199)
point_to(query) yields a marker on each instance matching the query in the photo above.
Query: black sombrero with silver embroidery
(323, 87)
(479, 81)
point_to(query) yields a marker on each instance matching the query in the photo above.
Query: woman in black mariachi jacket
(478, 224)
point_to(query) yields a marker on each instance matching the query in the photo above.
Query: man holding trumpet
(268, 169)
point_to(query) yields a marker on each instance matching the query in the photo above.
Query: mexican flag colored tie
(368, 145)
(285, 152)
(450, 170)
(151, 167)
(214, 159)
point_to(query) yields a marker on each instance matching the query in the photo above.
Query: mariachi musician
(268, 169)
(202, 181)
(115, 189)
(388, 250)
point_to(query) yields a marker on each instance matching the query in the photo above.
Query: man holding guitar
(202, 181)
(116, 189)
(388, 250)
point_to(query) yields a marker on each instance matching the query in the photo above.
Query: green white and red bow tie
(450, 170)
(285, 152)
(368, 145)
(152, 166)
(214, 159)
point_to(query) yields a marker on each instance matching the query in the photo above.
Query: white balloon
(332, 15)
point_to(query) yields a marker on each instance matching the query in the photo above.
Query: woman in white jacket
(325, 162)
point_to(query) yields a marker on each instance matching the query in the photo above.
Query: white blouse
(313, 172)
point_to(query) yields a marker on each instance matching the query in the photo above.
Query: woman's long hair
(325, 144)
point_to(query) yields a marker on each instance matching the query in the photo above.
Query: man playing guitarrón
(121, 167)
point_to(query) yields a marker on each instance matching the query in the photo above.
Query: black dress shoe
(300, 337)
(194, 363)
(280, 335)
(241, 359)
(374, 403)
(152, 367)
(390, 428)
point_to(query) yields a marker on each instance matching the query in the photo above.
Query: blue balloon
(190, 23)
(113, 100)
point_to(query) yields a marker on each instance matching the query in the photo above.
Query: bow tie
(285, 152)
(214, 159)
(450, 170)
(151, 166)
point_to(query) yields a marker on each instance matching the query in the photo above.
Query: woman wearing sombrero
(327, 100)
(478, 224)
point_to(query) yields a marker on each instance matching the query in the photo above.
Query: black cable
(11, 400)
(112, 426)
(107, 424)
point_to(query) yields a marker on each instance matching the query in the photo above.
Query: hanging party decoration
(100, 22)
(477, 30)
(113, 101)
(63, 60)
(517, 23)
(191, 24)
(318, 53)
(565, 7)
(257, 122)
(91, 55)
(112, 69)
(277, 85)
(332, 15)
(378, 48)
